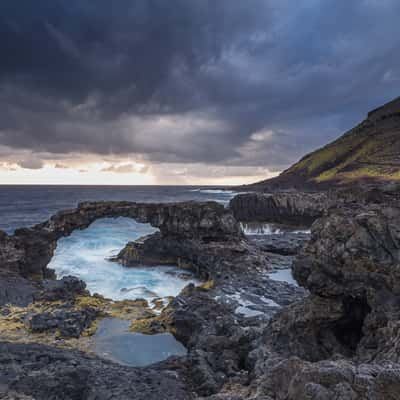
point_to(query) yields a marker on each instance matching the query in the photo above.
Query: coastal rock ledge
(287, 208)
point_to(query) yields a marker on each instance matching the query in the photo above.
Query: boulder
(66, 288)
(69, 323)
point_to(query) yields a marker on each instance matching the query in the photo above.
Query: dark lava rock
(47, 373)
(353, 258)
(286, 244)
(207, 258)
(291, 208)
(342, 341)
(16, 290)
(69, 323)
(66, 288)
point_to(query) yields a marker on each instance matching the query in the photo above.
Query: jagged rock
(354, 256)
(209, 259)
(285, 244)
(295, 379)
(346, 333)
(66, 288)
(218, 339)
(69, 323)
(47, 373)
(292, 208)
(16, 290)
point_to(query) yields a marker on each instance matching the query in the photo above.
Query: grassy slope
(370, 150)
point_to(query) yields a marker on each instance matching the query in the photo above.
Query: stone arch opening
(191, 233)
(88, 254)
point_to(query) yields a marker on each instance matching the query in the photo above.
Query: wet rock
(208, 259)
(218, 339)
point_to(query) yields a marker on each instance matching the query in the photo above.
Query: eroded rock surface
(209, 259)
(342, 341)
(293, 208)
(44, 372)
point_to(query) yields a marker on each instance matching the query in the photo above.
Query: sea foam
(85, 255)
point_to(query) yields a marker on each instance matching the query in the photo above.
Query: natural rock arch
(29, 250)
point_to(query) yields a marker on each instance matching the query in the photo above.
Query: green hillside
(370, 151)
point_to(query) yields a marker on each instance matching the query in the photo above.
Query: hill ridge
(369, 151)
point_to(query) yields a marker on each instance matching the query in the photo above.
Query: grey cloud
(30, 162)
(190, 81)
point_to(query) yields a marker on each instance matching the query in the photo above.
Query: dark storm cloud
(192, 80)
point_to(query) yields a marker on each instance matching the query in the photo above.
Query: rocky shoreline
(248, 336)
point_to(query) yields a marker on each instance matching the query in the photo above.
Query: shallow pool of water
(283, 275)
(114, 342)
(84, 254)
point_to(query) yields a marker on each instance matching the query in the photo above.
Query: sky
(185, 91)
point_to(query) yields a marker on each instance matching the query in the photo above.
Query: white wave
(247, 312)
(255, 228)
(84, 254)
(260, 229)
(214, 191)
(307, 231)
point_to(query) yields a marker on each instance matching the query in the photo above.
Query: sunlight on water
(84, 254)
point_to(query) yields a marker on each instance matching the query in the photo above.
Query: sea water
(85, 254)
(114, 341)
(26, 205)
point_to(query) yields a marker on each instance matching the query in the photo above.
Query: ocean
(24, 206)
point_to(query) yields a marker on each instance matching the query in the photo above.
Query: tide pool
(113, 341)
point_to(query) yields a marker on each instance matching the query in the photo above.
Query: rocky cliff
(368, 152)
(292, 208)
(341, 342)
